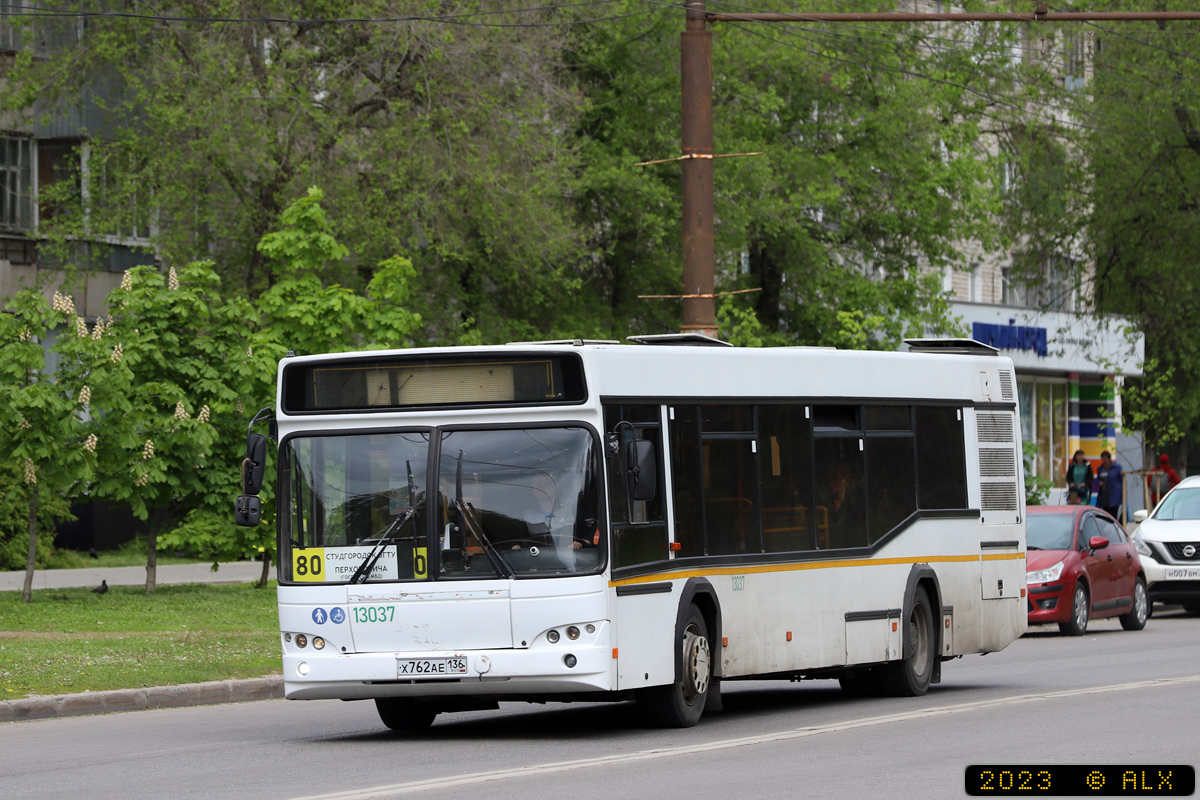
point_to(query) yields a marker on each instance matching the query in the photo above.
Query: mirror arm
(267, 413)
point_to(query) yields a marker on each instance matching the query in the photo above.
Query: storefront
(1069, 370)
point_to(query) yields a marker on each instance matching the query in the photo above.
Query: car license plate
(454, 665)
(1182, 573)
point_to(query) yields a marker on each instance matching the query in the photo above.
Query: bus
(584, 521)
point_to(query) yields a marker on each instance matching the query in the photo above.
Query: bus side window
(687, 490)
(785, 457)
(639, 532)
(891, 482)
(839, 463)
(941, 458)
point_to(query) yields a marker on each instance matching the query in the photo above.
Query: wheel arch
(700, 592)
(923, 575)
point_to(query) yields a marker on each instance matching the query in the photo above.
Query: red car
(1081, 565)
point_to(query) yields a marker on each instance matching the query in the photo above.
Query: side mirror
(247, 511)
(641, 470)
(1097, 543)
(254, 464)
(1141, 516)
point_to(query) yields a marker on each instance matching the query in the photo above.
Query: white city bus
(598, 521)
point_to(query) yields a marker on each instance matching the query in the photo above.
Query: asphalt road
(1111, 697)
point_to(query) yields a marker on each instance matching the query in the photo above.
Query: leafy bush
(14, 522)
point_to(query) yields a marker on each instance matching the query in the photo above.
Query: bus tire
(910, 676)
(405, 713)
(680, 704)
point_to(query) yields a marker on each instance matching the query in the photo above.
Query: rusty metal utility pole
(699, 254)
(699, 258)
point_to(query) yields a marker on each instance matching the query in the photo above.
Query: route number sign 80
(308, 565)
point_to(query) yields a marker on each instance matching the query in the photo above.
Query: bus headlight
(301, 640)
(572, 633)
(1045, 575)
(318, 643)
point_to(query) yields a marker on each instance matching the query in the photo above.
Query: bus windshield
(506, 503)
(521, 501)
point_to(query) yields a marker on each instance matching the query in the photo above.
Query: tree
(876, 167)
(45, 422)
(429, 136)
(298, 312)
(192, 367)
(1143, 147)
(301, 312)
(1104, 162)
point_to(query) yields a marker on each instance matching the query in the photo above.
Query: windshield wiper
(368, 564)
(467, 523)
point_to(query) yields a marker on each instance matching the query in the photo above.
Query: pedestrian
(1079, 480)
(1110, 488)
(1161, 480)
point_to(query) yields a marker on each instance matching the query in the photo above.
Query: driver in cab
(550, 519)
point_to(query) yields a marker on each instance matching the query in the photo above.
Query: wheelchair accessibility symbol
(319, 616)
(337, 616)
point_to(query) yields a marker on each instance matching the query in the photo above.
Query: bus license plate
(455, 665)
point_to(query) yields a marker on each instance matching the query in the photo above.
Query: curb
(188, 694)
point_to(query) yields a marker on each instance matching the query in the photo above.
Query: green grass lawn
(71, 640)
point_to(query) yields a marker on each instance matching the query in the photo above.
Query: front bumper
(1161, 588)
(1050, 602)
(540, 671)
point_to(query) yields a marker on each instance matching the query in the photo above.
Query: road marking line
(449, 782)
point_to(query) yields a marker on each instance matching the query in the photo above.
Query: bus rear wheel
(680, 704)
(910, 676)
(404, 713)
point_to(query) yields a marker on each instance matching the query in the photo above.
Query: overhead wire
(1073, 107)
(16, 10)
(926, 37)
(984, 95)
(471, 19)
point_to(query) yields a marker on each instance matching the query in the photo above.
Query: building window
(60, 177)
(1054, 289)
(1044, 422)
(16, 191)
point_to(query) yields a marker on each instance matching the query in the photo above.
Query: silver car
(1168, 540)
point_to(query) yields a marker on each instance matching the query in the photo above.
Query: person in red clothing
(1161, 480)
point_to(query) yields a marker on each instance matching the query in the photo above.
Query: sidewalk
(188, 694)
(232, 572)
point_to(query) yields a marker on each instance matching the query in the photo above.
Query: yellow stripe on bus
(748, 570)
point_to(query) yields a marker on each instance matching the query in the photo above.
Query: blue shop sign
(1010, 336)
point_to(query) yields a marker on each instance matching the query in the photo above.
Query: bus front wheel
(404, 713)
(910, 676)
(680, 704)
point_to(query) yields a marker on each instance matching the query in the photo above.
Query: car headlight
(1140, 545)
(1045, 575)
